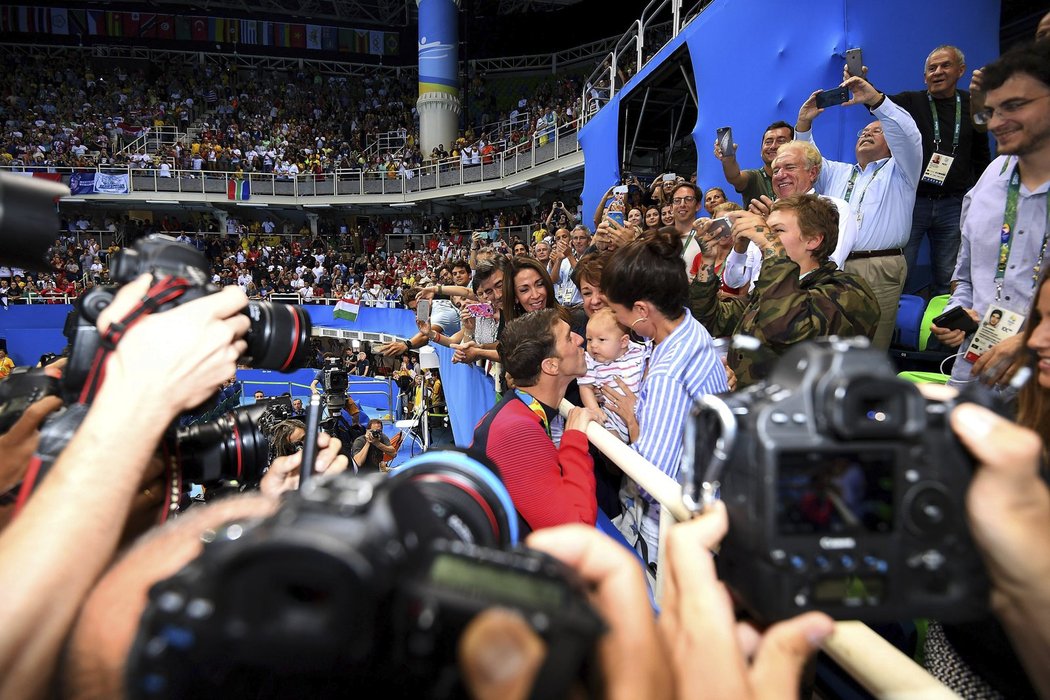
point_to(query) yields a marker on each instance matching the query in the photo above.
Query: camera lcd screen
(849, 590)
(835, 492)
(487, 582)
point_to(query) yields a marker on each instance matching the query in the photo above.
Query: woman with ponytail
(646, 287)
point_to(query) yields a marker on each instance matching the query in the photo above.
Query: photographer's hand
(283, 474)
(500, 654)
(1009, 511)
(19, 443)
(712, 656)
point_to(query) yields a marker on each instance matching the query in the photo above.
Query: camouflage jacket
(783, 310)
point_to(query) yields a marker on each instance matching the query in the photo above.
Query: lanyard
(1006, 234)
(536, 408)
(937, 123)
(769, 182)
(853, 182)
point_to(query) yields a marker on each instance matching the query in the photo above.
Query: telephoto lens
(234, 447)
(278, 338)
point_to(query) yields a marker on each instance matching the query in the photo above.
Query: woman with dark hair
(652, 218)
(528, 287)
(646, 286)
(589, 281)
(800, 295)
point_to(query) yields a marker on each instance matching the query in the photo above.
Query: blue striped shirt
(681, 369)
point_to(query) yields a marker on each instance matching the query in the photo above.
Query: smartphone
(621, 189)
(721, 228)
(832, 97)
(725, 141)
(956, 319)
(616, 216)
(313, 423)
(423, 311)
(480, 310)
(855, 63)
(669, 177)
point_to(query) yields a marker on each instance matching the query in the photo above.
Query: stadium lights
(401, 204)
(72, 199)
(162, 201)
(478, 194)
(250, 204)
(516, 185)
(571, 168)
(317, 206)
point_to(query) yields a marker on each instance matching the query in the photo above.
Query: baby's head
(606, 338)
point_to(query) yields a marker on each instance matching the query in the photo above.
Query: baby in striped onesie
(610, 354)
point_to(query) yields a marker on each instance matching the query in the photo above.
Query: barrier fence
(882, 669)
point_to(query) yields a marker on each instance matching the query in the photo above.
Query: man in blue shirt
(880, 190)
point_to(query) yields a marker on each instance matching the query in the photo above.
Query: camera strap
(163, 291)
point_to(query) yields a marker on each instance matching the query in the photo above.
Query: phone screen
(830, 98)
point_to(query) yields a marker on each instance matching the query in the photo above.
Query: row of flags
(147, 25)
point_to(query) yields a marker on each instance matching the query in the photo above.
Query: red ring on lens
(473, 493)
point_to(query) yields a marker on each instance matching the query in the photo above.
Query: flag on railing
(238, 189)
(348, 307)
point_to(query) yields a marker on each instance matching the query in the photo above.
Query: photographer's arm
(1009, 508)
(361, 454)
(53, 552)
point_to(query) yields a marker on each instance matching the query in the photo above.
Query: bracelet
(437, 337)
(439, 290)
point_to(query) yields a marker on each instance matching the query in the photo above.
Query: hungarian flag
(238, 189)
(348, 308)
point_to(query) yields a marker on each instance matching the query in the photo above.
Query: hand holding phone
(855, 63)
(480, 310)
(720, 229)
(956, 319)
(423, 311)
(725, 141)
(832, 97)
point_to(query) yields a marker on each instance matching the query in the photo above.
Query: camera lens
(278, 336)
(466, 495)
(229, 448)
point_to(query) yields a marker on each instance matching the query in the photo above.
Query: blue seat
(910, 311)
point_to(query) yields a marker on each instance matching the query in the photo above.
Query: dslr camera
(362, 583)
(845, 490)
(277, 339)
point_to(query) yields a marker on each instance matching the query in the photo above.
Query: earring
(640, 318)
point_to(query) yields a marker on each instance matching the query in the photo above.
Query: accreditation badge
(997, 325)
(937, 169)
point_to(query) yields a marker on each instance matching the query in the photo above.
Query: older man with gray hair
(796, 168)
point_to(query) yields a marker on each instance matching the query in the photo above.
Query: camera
(22, 388)
(845, 490)
(376, 434)
(277, 338)
(235, 447)
(364, 583)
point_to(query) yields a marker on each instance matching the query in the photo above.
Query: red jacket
(549, 485)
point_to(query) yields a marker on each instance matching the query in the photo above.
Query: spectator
(801, 295)
(962, 157)
(645, 285)
(6, 364)
(883, 205)
(998, 271)
(753, 184)
(562, 264)
(549, 485)
(712, 198)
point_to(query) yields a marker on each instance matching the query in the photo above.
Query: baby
(610, 354)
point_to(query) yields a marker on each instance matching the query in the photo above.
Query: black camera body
(277, 338)
(22, 388)
(361, 583)
(376, 434)
(845, 490)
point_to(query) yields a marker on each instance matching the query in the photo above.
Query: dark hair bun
(664, 242)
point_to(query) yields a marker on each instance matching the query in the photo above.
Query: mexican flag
(348, 308)
(238, 189)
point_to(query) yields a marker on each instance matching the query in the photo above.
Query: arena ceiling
(390, 13)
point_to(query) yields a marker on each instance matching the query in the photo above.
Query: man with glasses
(953, 158)
(1005, 217)
(758, 182)
(880, 190)
(685, 207)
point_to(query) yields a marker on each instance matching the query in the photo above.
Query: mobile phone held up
(855, 63)
(832, 97)
(725, 141)
(720, 228)
(423, 311)
(480, 310)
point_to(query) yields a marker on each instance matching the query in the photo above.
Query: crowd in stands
(635, 320)
(61, 111)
